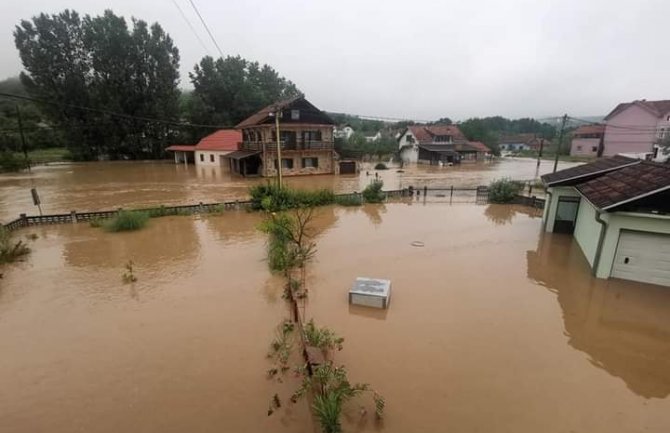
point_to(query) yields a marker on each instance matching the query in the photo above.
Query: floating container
(370, 292)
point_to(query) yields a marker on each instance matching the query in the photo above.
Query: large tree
(100, 63)
(226, 91)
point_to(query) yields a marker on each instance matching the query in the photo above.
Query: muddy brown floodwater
(492, 327)
(110, 185)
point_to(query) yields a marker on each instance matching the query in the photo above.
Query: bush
(381, 166)
(373, 193)
(126, 221)
(349, 200)
(11, 251)
(271, 198)
(503, 190)
(11, 162)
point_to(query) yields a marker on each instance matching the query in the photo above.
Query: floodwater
(110, 185)
(492, 327)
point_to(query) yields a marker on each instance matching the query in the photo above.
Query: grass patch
(271, 198)
(126, 221)
(11, 251)
(10, 161)
(349, 200)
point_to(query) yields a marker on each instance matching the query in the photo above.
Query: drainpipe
(547, 205)
(601, 239)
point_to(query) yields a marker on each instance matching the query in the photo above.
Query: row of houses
(306, 137)
(635, 129)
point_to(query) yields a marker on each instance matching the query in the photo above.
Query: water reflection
(374, 212)
(500, 214)
(623, 326)
(372, 313)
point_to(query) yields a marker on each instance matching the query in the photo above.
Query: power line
(202, 20)
(113, 113)
(183, 15)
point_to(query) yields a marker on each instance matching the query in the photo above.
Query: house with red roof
(438, 144)
(587, 140)
(212, 150)
(636, 128)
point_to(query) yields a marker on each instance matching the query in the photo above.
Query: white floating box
(370, 292)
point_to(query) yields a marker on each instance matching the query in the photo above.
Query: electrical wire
(188, 22)
(202, 20)
(115, 114)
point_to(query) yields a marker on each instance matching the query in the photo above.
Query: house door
(566, 214)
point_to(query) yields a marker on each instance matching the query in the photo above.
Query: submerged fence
(479, 195)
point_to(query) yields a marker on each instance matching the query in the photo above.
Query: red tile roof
(481, 147)
(589, 129)
(626, 184)
(223, 139)
(426, 134)
(181, 148)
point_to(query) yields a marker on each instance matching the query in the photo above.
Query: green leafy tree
(100, 62)
(226, 91)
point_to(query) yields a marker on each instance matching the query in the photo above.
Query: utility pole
(23, 138)
(279, 179)
(560, 140)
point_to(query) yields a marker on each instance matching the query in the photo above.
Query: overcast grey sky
(417, 58)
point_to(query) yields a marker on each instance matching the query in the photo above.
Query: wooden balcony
(272, 146)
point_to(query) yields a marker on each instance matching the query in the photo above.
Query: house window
(211, 157)
(312, 135)
(579, 147)
(295, 114)
(202, 158)
(442, 138)
(286, 163)
(310, 162)
(594, 148)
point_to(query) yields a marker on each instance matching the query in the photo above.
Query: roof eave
(638, 197)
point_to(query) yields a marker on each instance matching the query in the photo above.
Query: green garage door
(643, 257)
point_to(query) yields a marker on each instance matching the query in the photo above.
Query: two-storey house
(305, 136)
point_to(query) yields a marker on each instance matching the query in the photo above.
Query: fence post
(425, 190)
(24, 220)
(73, 216)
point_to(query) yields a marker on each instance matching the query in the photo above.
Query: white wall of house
(549, 215)
(210, 157)
(584, 146)
(411, 152)
(587, 230)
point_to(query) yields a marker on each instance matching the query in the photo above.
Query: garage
(643, 257)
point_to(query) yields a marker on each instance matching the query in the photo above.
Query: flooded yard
(492, 327)
(110, 185)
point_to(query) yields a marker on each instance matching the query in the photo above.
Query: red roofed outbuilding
(211, 150)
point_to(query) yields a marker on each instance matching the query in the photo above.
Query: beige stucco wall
(549, 214)
(587, 230)
(626, 221)
(206, 157)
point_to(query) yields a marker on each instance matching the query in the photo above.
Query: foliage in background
(126, 221)
(373, 192)
(271, 198)
(11, 251)
(227, 90)
(357, 146)
(103, 63)
(489, 130)
(10, 161)
(503, 190)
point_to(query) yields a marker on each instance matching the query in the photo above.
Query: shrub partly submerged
(373, 193)
(11, 251)
(271, 198)
(126, 221)
(503, 190)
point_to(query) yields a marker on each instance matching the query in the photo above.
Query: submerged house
(437, 144)
(618, 210)
(305, 135)
(212, 150)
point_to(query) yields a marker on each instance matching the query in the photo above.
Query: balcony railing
(271, 146)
